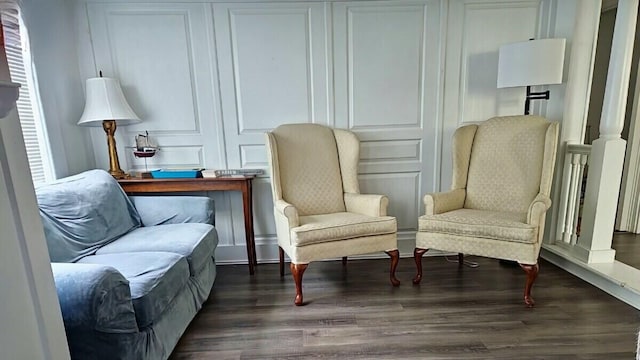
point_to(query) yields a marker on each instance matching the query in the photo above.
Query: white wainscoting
(475, 31)
(208, 79)
(162, 55)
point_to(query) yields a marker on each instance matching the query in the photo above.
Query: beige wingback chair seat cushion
(498, 225)
(316, 229)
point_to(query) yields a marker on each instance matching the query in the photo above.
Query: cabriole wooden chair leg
(532, 274)
(395, 257)
(344, 261)
(297, 270)
(281, 253)
(460, 259)
(417, 256)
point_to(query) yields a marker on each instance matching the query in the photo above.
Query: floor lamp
(531, 63)
(105, 105)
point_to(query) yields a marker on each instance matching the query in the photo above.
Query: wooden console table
(242, 184)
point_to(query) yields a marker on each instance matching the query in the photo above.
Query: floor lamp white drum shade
(105, 101)
(530, 63)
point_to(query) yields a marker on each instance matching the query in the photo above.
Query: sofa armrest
(366, 204)
(94, 297)
(540, 204)
(168, 209)
(438, 203)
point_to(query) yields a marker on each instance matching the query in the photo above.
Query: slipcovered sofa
(130, 272)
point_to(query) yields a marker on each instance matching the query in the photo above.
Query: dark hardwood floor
(354, 313)
(627, 246)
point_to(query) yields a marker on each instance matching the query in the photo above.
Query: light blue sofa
(130, 272)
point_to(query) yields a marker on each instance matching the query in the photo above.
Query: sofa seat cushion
(498, 225)
(83, 212)
(196, 242)
(315, 229)
(155, 278)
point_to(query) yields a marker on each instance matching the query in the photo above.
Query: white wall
(30, 314)
(208, 79)
(53, 48)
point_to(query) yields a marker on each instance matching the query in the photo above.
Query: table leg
(247, 203)
(253, 239)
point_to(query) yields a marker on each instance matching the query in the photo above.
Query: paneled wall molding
(388, 150)
(209, 78)
(273, 66)
(161, 54)
(254, 102)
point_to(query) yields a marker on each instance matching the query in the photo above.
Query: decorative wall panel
(387, 86)
(273, 69)
(139, 40)
(208, 79)
(384, 55)
(253, 156)
(403, 150)
(160, 53)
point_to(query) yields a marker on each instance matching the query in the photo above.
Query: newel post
(607, 152)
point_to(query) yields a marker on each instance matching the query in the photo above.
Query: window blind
(18, 60)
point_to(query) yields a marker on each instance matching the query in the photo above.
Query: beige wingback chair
(318, 209)
(502, 173)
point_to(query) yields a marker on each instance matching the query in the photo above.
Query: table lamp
(105, 105)
(530, 63)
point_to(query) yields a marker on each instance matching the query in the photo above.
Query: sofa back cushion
(83, 212)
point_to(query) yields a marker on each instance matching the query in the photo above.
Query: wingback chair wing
(502, 173)
(318, 209)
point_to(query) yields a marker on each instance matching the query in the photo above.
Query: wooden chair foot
(417, 256)
(532, 274)
(297, 270)
(281, 253)
(460, 259)
(344, 261)
(395, 257)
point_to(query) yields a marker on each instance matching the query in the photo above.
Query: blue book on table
(176, 174)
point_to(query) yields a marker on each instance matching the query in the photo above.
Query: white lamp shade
(105, 101)
(529, 63)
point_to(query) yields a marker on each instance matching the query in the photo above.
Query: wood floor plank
(354, 313)
(627, 246)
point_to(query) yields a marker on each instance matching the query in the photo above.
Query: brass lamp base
(109, 127)
(119, 174)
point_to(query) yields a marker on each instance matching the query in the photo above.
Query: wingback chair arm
(366, 204)
(540, 204)
(438, 203)
(288, 211)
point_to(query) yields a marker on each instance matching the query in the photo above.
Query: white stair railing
(576, 160)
